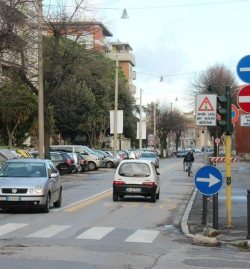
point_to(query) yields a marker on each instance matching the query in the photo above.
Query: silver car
(30, 183)
(150, 156)
(109, 161)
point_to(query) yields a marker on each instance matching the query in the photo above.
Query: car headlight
(38, 189)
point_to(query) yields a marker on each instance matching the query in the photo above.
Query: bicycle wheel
(189, 171)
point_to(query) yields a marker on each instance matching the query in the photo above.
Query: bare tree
(219, 76)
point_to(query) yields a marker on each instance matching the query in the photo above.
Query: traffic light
(225, 112)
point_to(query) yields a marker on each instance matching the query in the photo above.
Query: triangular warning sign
(206, 105)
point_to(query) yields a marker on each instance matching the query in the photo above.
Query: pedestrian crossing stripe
(143, 236)
(96, 233)
(205, 105)
(93, 233)
(49, 231)
(10, 227)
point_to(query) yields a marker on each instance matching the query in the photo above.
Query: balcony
(132, 88)
(123, 56)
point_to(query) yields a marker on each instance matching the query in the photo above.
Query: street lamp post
(140, 124)
(116, 106)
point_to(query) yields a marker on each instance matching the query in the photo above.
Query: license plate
(13, 198)
(133, 189)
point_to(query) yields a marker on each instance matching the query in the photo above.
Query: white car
(197, 150)
(136, 177)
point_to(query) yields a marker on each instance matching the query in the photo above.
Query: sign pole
(228, 176)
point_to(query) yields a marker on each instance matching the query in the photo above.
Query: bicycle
(188, 167)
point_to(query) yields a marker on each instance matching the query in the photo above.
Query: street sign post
(243, 69)
(208, 180)
(243, 99)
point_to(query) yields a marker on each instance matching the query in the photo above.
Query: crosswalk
(93, 233)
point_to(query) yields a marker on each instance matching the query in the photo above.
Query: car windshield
(148, 155)
(22, 169)
(134, 169)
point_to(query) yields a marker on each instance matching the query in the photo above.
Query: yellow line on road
(169, 167)
(89, 202)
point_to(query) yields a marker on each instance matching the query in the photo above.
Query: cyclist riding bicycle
(188, 160)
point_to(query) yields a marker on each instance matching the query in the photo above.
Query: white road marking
(49, 231)
(10, 227)
(143, 236)
(95, 233)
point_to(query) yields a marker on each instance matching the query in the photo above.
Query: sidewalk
(194, 218)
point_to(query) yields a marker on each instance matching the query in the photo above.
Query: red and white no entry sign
(243, 99)
(217, 140)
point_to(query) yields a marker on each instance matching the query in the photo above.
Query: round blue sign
(243, 69)
(208, 180)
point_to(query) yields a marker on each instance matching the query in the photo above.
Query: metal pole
(140, 124)
(215, 211)
(228, 176)
(205, 145)
(155, 123)
(248, 214)
(116, 106)
(204, 211)
(40, 83)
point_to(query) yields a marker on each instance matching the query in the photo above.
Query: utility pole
(116, 106)
(40, 82)
(140, 124)
(155, 124)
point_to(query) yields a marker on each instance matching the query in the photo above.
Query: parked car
(136, 177)
(30, 183)
(75, 158)
(111, 153)
(197, 150)
(83, 162)
(6, 154)
(131, 154)
(93, 160)
(109, 161)
(64, 162)
(124, 154)
(181, 153)
(150, 156)
(24, 153)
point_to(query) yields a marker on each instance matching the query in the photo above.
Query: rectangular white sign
(119, 121)
(206, 109)
(245, 120)
(143, 130)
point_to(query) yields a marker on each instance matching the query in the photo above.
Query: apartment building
(91, 34)
(19, 47)
(122, 52)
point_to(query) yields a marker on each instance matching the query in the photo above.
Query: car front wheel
(45, 209)
(59, 201)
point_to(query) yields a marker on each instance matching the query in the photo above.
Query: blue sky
(176, 39)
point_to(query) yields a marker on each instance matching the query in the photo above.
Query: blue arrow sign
(208, 180)
(243, 69)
